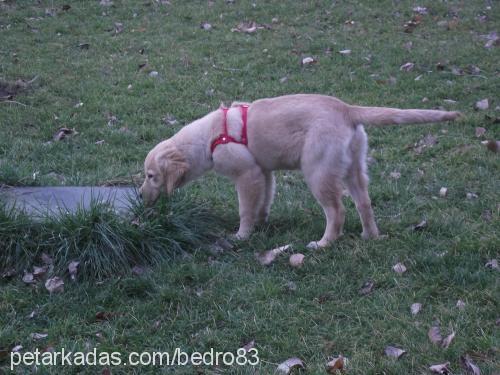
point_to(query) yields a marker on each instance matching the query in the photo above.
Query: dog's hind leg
(324, 168)
(357, 183)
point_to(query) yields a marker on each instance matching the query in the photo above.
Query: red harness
(225, 137)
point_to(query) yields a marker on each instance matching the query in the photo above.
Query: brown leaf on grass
(105, 3)
(16, 349)
(420, 226)
(460, 304)
(492, 264)
(434, 335)
(415, 308)
(102, 316)
(399, 268)
(73, 268)
(345, 52)
(248, 27)
(118, 28)
(63, 133)
(394, 352)
(480, 131)
(407, 67)
(267, 257)
(420, 10)
(289, 365)
(38, 336)
(395, 175)
(493, 39)
(106, 371)
(447, 340)
(410, 25)
(11, 272)
(205, 26)
(28, 278)
(441, 369)
(335, 365)
(249, 345)
(54, 285)
(297, 260)
(46, 259)
(39, 271)
(493, 146)
(4, 354)
(482, 105)
(308, 60)
(427, 141)
(443, 192)
(469, 366)
(366, 288)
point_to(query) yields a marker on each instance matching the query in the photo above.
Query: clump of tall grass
(104, 242)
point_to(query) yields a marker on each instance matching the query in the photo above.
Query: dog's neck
(194, 141)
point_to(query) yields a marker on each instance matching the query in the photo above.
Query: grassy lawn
(84, 71)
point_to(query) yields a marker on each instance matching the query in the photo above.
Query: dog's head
(164, 169)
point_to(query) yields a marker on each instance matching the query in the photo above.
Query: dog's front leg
(251, 188)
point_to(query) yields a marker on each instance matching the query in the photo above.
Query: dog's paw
(315, 245)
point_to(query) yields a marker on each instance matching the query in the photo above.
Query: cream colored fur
(321, 135)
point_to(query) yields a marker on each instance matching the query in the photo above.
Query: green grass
(222, 301)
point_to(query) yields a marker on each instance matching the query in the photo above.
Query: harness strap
(225, 137)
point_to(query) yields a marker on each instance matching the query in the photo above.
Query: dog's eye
(150, 176)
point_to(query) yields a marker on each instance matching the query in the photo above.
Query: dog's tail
(388, 116)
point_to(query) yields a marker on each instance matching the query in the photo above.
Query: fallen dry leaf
(469, 366)
(493, 39)
(46, 259)
(395, 175)
(447, 340)
(205, 26)
(420, 226)
(492, 264)
(407, 67)
(289, 365)
(399, 268)
(54, 285)
(16, 349)
(460, 304)
(441, 369)
(38, 336)
(102, 316)
(493, 146)
(39, 271)
(28, 278)
(297, 260)
(443, 192)
(118, 28)
(410, 25)
(308, 61)
(73, 268)
(105, 3)
(394, 352)
(267, 257)
(62, 133)
(420, 10)
(11, 272)
(248, 27)
(482, 105)
(335, 365)
(249, 345)
(415, 308)
(471, 196)
(434, 334)
(480, 131)
(366, 288)
(345, 52)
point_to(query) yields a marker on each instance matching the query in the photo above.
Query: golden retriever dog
(320, 135)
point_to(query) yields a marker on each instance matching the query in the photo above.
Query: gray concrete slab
(54, 200)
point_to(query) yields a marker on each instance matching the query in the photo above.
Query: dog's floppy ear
(174, 167)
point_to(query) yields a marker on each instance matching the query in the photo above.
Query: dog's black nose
(140, 195)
